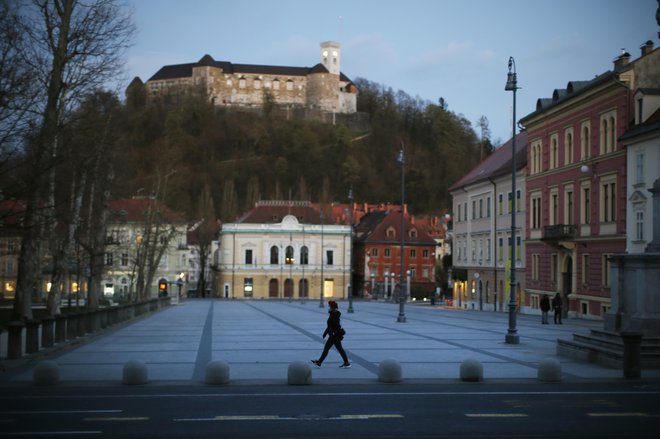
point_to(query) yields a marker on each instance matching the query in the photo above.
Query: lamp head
(511, 77)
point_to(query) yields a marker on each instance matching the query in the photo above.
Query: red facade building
(576, 188)
(377, 250)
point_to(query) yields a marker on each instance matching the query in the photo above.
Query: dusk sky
(455, 49)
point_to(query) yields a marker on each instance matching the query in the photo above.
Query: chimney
(622, 60)
(647, 47)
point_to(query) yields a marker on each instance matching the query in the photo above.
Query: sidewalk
(259, 339)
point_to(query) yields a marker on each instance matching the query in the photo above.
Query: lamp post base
(401, 318)
(512, 339)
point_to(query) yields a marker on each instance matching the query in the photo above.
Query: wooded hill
(244, 156)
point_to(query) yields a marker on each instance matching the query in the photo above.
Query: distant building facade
(577, 184)
(127, 234)
(11, 219)
(322, 87)
(483, 204)
(284, 250)
(378, 255)
(642, 144)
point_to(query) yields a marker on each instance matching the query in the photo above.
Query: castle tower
(331, 56)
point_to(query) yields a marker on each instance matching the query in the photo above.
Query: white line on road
(50, 433)
(56, 412)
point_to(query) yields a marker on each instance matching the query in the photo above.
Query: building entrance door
(272, 288)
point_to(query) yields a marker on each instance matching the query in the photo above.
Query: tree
(72, 48)
(17, 92)
(204, 233)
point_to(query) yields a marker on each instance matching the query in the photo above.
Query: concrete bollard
(472, 370)
(299, 374)
(217, 372)
(46, 373)
(389, 371)
(549, 370)
(135, 373)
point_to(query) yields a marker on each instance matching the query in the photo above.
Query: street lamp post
(401, 318)
(322, 280)
(512, 333)
(373, 286)
(350, 259)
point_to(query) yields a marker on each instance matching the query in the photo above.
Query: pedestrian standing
(556, 305)
(335, 334)
(545, 307)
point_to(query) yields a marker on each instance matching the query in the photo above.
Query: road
(409, 410)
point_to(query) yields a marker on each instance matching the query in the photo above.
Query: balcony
(559, 232)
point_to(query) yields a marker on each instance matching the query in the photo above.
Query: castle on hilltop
(322, 87)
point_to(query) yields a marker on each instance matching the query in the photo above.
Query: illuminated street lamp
(512, 333)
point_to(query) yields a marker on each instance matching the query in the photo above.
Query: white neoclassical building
(284, 249)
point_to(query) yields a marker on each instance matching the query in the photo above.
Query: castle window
(289, 84)
(241, 82)
(257, 83)
(276, 84)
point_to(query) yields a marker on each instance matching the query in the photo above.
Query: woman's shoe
(316, 363)
(345, 366)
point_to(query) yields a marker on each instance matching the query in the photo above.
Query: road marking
(615, 415)
(56, 412)
(496, 415)
(49, 433)
(292, 418)
(249, 418)
(111, 419)
(392, 416)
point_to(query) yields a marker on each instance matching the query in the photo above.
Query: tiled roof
(11, 213)
(135, 209)
(496, 164)
(650, 125)
(271, 212)
(185, 70)
(374, 227)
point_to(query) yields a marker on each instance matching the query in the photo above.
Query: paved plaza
(260, 339)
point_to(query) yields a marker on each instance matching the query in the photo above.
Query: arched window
(274, 255)
(568, 148)
(289, 84)
(391, 233)
(553, 154)
(241, 82)
(585, 152)
(603, 136)
(304, 255)
(413, 233)
(276, 84)
(288, 255)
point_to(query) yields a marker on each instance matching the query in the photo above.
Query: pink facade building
(576, 185)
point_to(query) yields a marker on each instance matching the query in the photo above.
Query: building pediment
(290, 220)
(637, 197)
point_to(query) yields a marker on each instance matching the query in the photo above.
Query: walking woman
(335, 334)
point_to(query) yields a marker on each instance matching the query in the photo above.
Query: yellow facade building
(284, 250)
